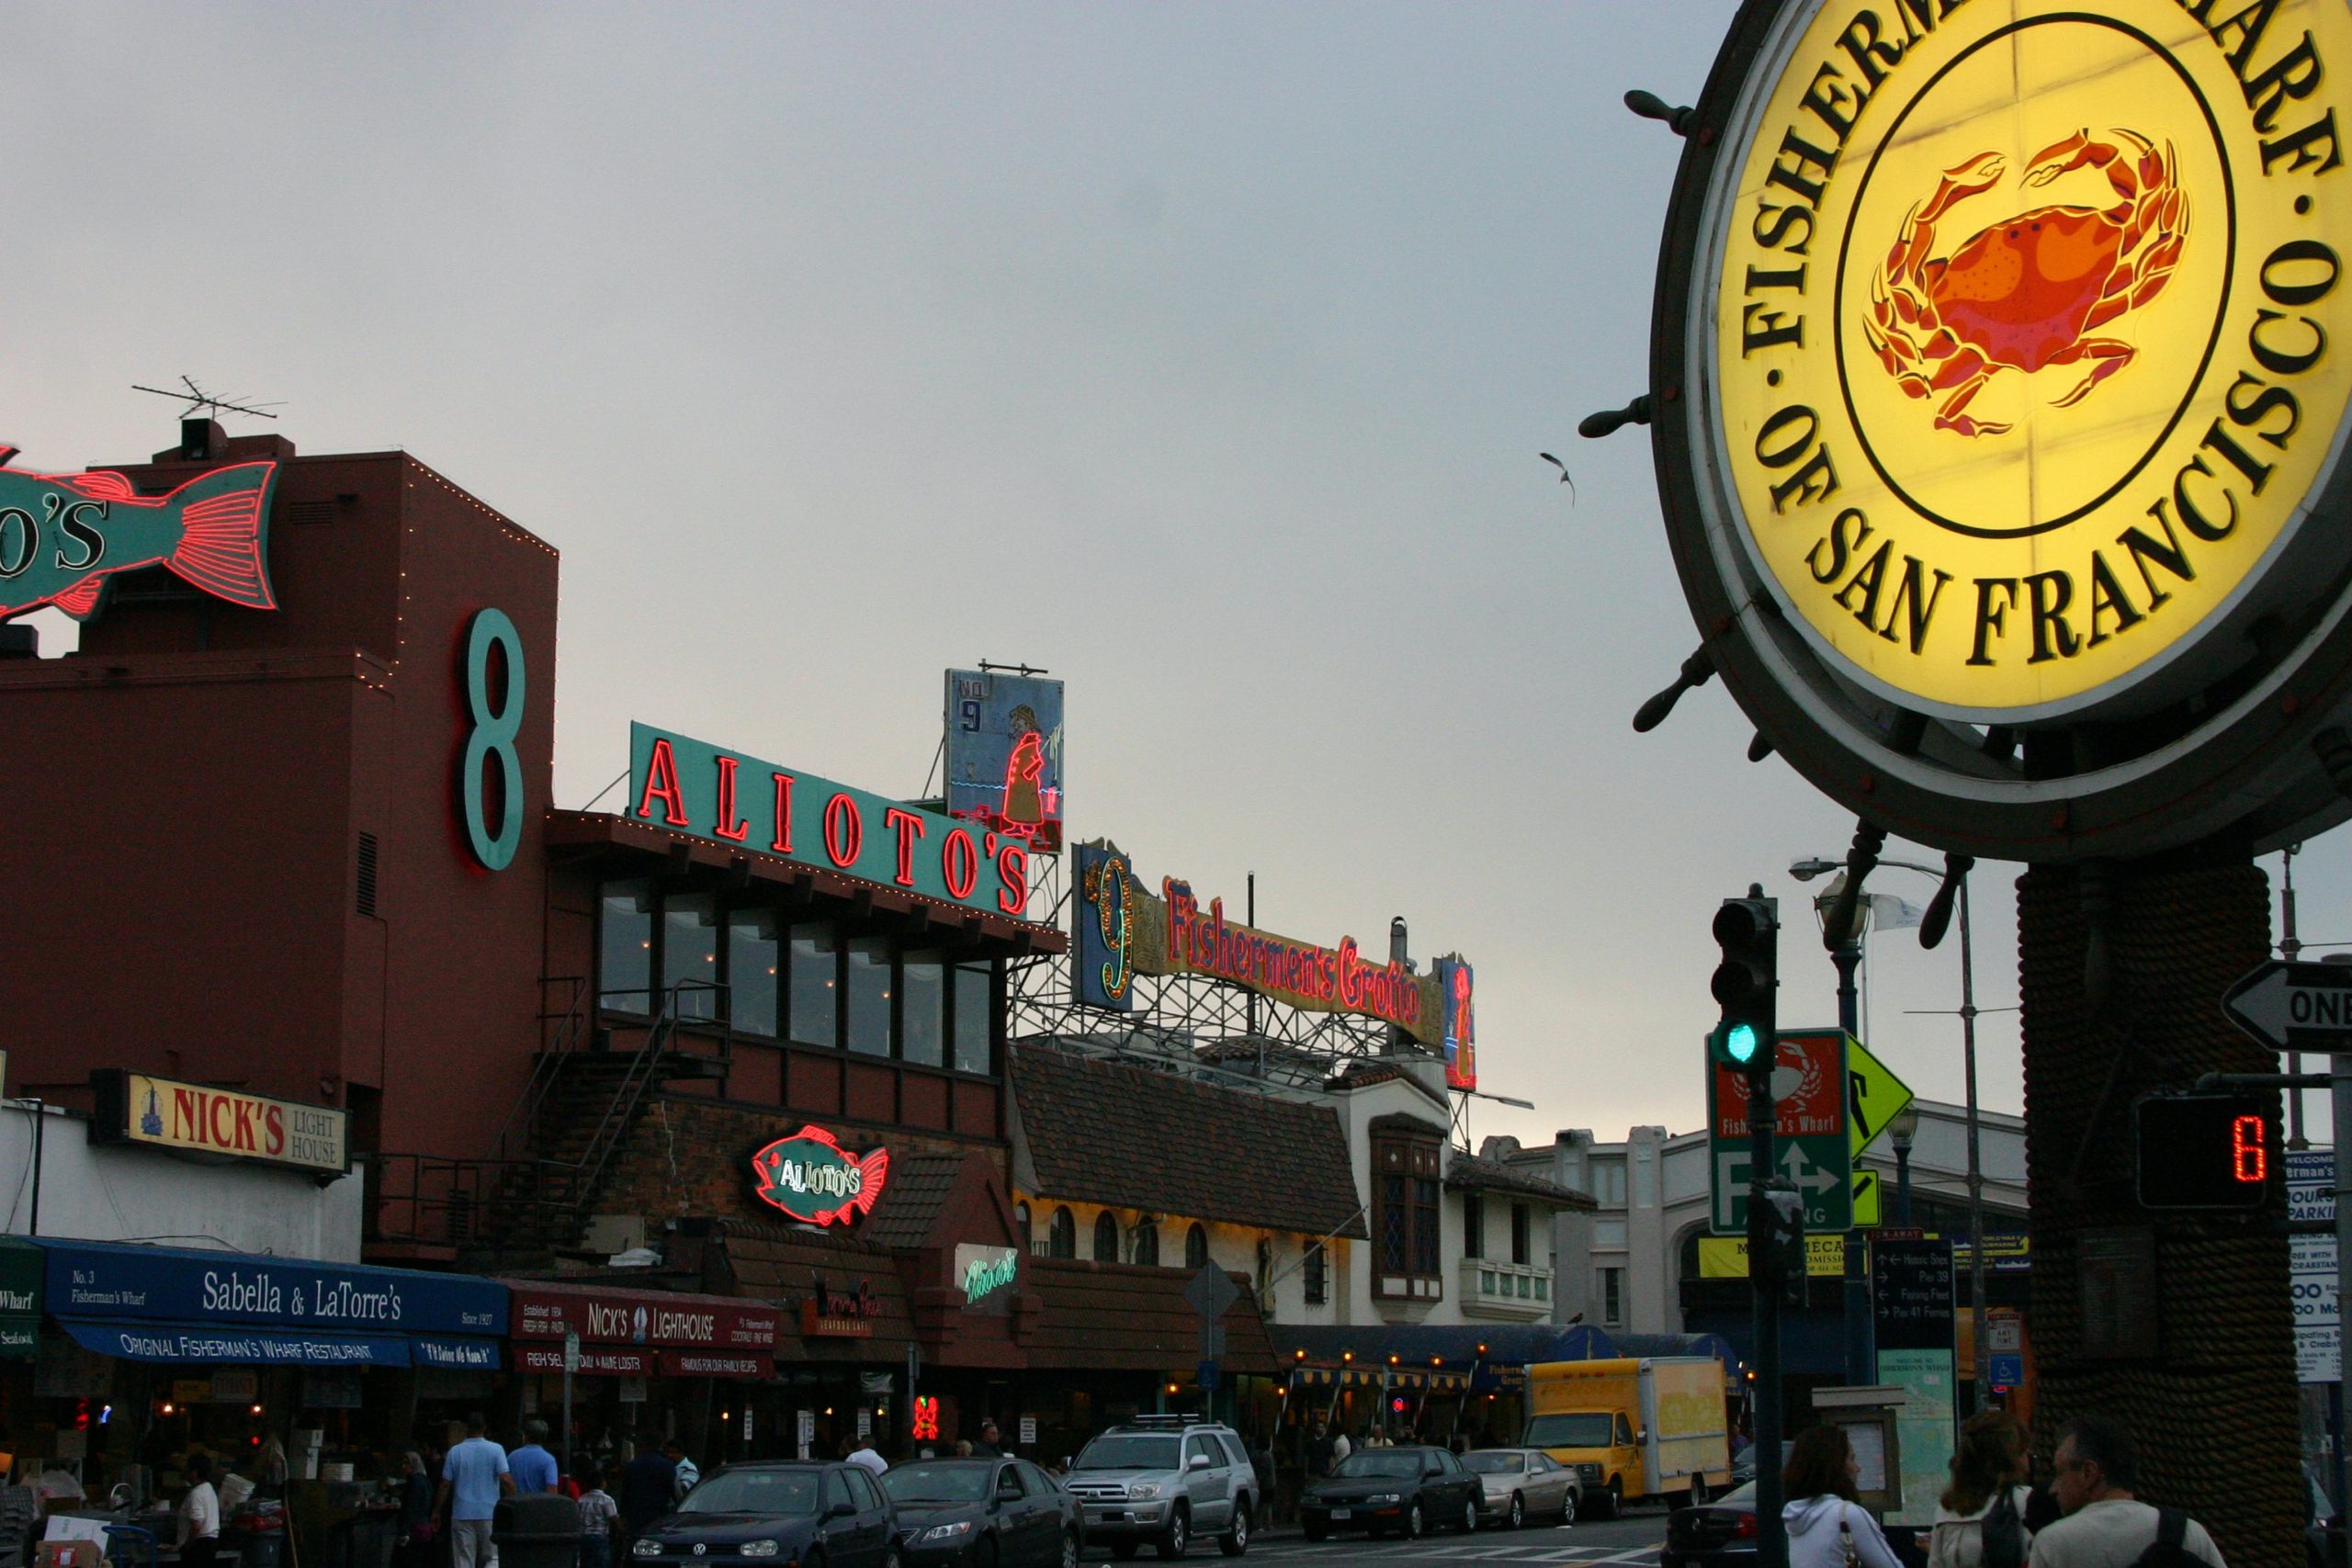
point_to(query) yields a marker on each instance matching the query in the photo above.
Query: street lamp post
(1902, 1132)
(1956, 873)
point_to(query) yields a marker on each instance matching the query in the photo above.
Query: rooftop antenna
(197, 397)
(987, 668)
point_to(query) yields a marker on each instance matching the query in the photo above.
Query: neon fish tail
(222, 548)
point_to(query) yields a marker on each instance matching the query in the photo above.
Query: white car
(1516, 1482)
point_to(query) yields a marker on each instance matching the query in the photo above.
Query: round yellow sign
(2027, 340)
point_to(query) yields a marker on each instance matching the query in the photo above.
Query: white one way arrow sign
(2294, 1006)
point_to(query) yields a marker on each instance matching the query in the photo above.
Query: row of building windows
(1142, 1245)
(1474, 1229)
(800, 980)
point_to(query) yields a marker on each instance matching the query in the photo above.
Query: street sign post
(1812, 1150)
(1874, 1097)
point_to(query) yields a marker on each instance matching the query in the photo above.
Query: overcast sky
(1199, 354)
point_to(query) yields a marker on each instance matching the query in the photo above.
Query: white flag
(1889, 913)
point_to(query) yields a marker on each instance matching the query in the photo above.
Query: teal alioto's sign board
(743, 802)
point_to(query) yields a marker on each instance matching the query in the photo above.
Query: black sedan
(1721, 1534)
(814, 1516)
(1406, 1490)
(983, 1513)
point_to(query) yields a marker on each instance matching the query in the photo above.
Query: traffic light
(2204, 1150)
(1776, 1259)
(1746, 981)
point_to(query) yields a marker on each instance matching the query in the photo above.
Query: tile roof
(770, 1263)
(1130, 1317)
(1475, 1171)
(1107, 1133)
(918, 1184)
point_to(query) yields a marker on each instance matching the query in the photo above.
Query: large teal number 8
(492, 736)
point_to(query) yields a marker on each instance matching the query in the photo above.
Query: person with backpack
(2104, 1525)
(1828, 1528)
(1980, 1522)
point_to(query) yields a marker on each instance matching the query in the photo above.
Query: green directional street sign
(1813, 1149)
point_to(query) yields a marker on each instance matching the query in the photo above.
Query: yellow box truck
(1633, 1428)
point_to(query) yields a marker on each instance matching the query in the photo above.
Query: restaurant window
(750, 971)
(814, 1011)
(1147, 1244)
(1522, 1240)
(690, 954)
(1474, 1225)
(922, 1010)
(1107, 1238)
(975, 1014)
(1061, 1234)
(624, 947)
(1405, 1216)
(869, 994)
(1312, 1276)
(1196, 1247)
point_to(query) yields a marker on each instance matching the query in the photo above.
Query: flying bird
(1565, 477)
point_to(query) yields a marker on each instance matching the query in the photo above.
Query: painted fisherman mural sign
(1998, 373)
(812, 1179)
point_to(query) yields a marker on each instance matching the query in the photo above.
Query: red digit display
(2249, 1157)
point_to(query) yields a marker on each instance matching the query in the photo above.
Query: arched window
(1061, 1234)
(1147, 1249)
(1107, 1238)
(1196, 1247)
(1020, 1222)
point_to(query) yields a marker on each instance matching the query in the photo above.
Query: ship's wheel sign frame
(2000, 368)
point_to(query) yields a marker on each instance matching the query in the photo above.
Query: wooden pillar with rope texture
(2121, 968)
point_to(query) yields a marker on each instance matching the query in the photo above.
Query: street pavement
(1633, 1540)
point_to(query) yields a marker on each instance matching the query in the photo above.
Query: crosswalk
(1530, 1549)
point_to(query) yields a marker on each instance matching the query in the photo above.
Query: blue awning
(191, 1343)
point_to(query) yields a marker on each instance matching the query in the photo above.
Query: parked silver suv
(1165, 1479)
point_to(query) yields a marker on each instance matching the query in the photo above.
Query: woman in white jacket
(1988, 1464)
(1826, 1528)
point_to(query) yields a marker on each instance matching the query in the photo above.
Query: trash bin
(538, 1530)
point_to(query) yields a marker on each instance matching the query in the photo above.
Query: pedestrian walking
(474, 1476)
(684, 1474)
(1828, 1528)
(1321, 1451)
(647, 1482)
(1979, 1521)
(598, 1515)
(2103, 1524)
(532, 1466)
(413, 1546)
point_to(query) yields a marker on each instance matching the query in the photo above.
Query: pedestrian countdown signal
(2204, 1150)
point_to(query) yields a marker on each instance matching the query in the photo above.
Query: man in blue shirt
(474, 1476)
(532, 1466)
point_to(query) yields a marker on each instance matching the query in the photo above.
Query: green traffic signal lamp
(1740, 1043)
(1747, 982)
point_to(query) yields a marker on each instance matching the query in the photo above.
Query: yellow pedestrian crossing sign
(1874, 1097)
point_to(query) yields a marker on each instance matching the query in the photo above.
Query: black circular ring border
(2213, 338)
(2262, 753)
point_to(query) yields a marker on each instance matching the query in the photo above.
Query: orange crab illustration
(2034, 289)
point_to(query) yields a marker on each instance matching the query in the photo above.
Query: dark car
(1407, 1490)
(818, 1516)
(1721, 1534)
(983, 1513)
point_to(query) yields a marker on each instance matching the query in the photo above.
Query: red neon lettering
(910, 829)
(188, 1114)
(726, 814)
(662, 783)
(275, 1121)
(844, 832)
(213, 1115)
(244, 1109)
(1013, 870)
(960, 862)
(2249, 1157)
(783, 844)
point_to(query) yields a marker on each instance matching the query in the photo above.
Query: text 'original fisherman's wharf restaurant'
(762, 1113)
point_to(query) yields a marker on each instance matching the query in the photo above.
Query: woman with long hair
(1828, 1528)
(1987, 1467)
